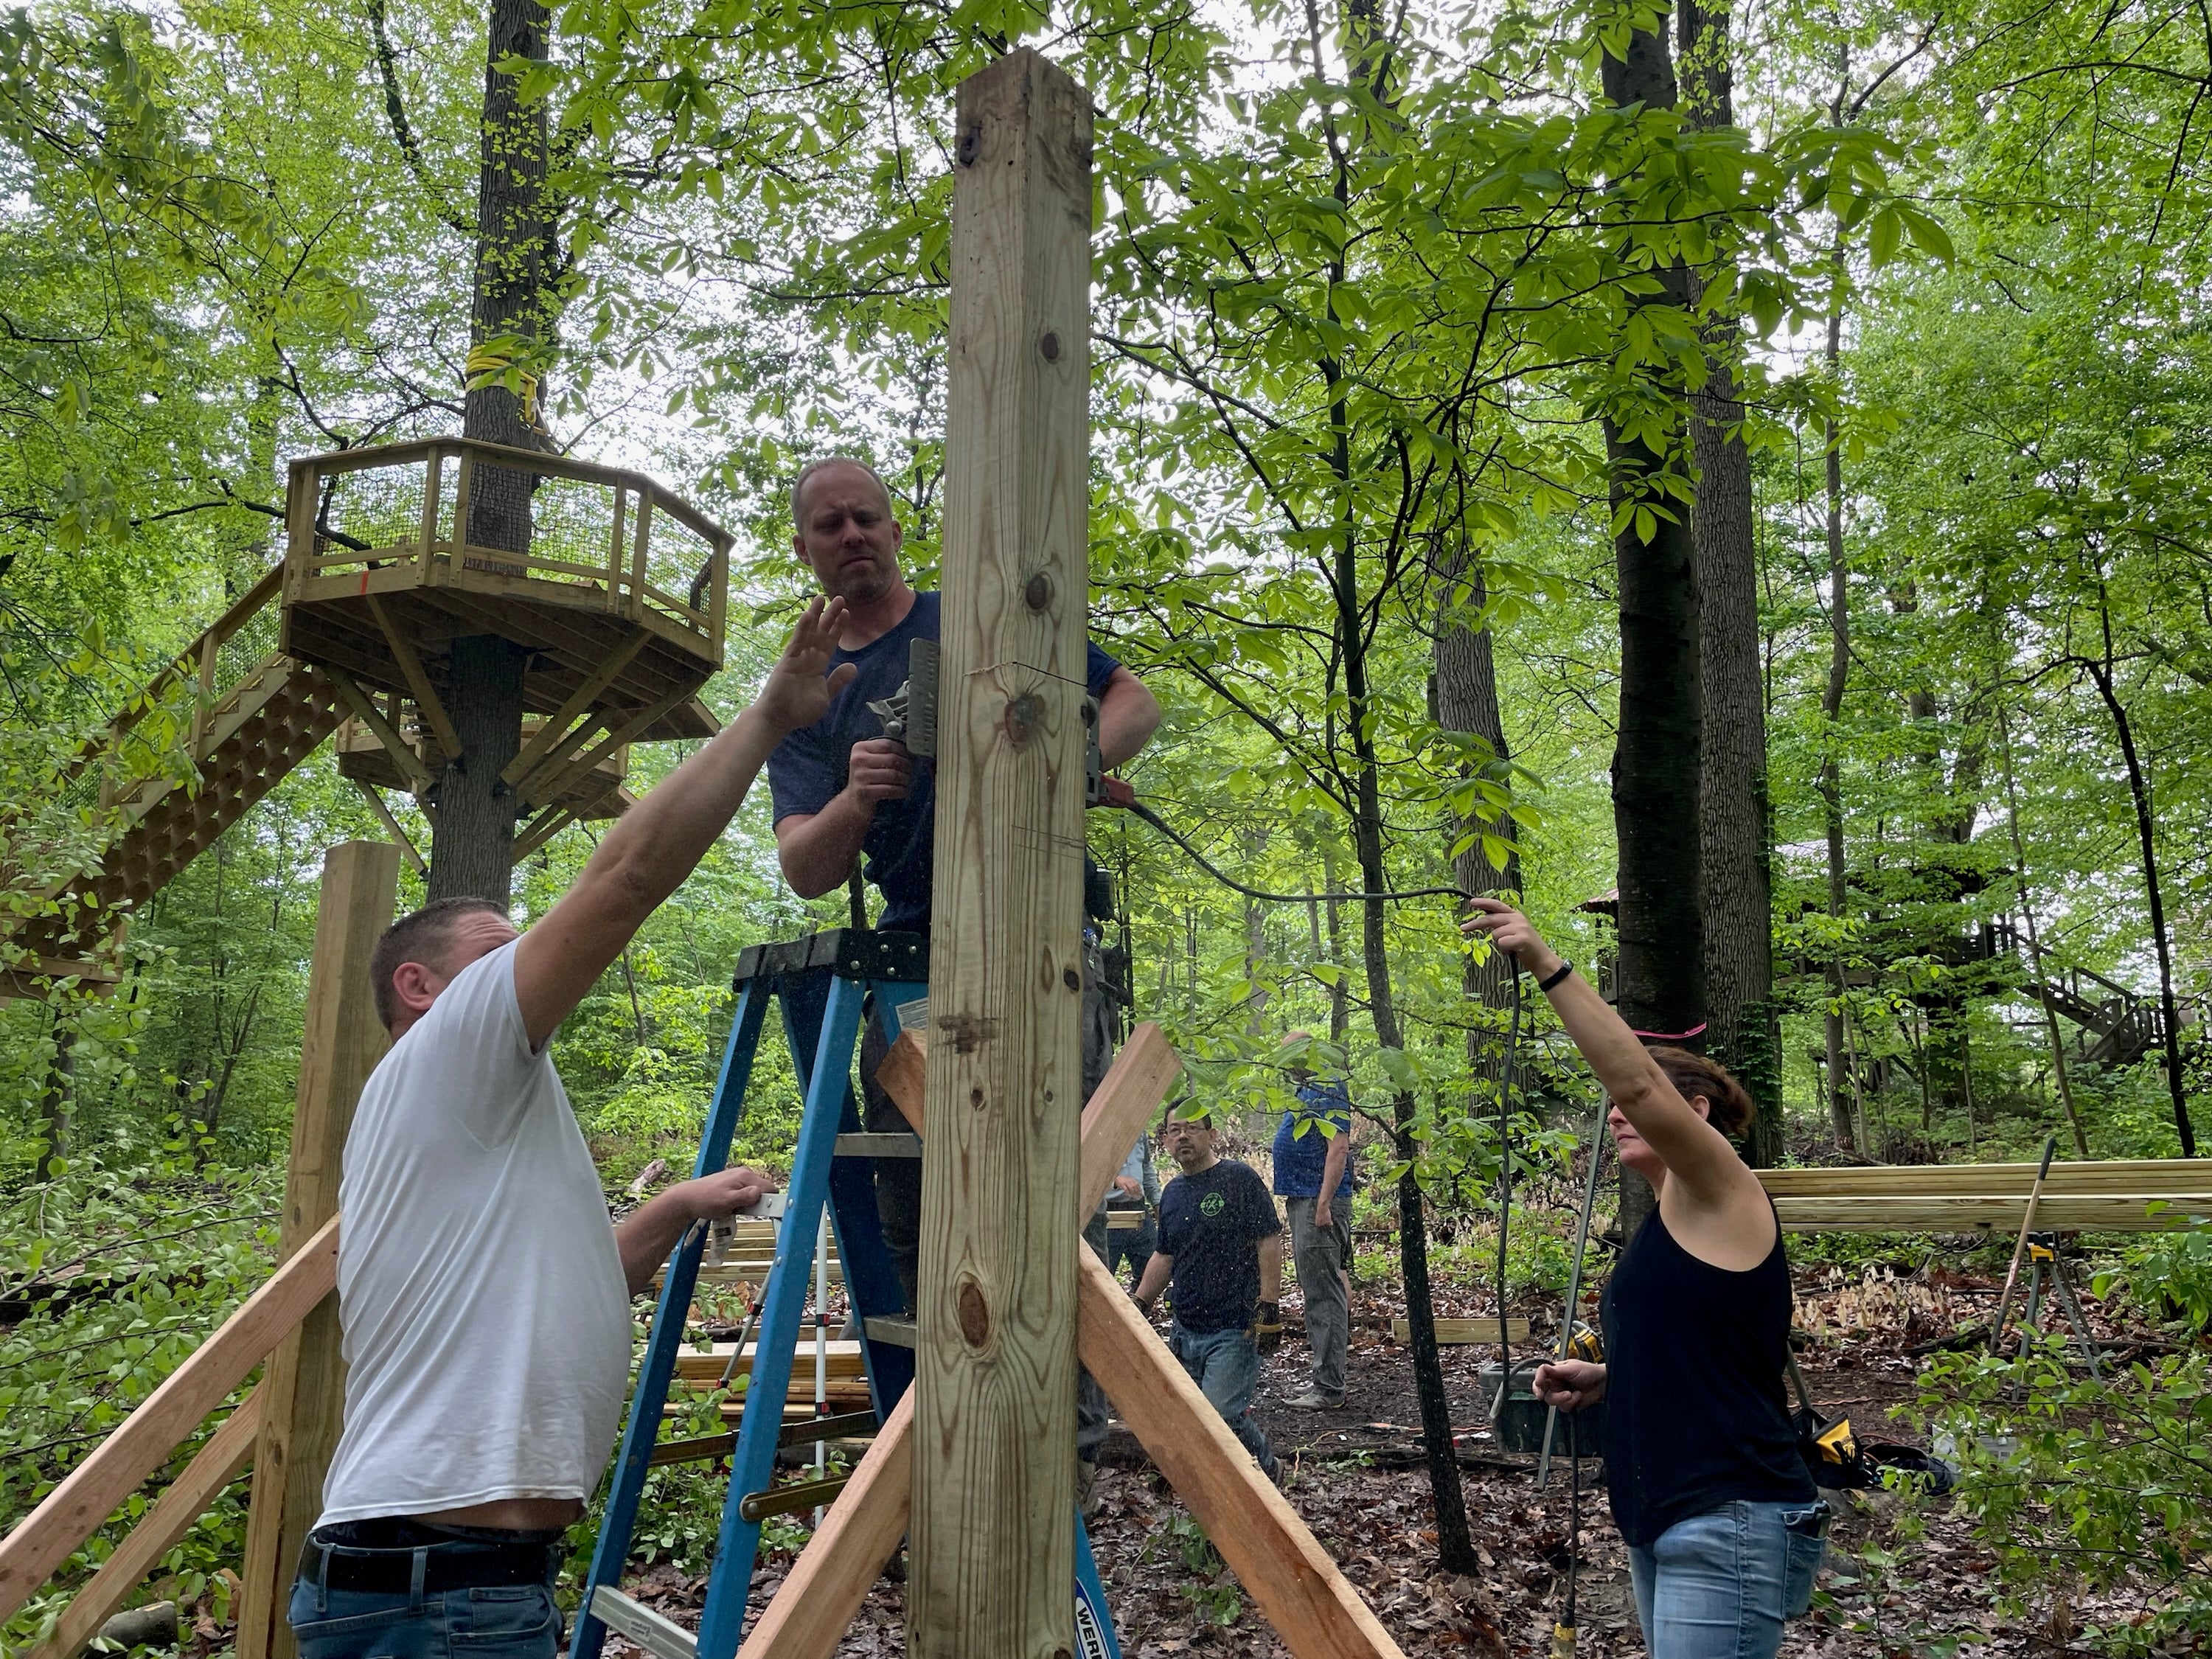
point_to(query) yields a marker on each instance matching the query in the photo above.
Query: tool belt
(447, 1563)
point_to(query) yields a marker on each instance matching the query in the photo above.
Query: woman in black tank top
(1724, 1527)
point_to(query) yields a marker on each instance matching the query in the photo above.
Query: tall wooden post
(993, 1516)
(303, 1390)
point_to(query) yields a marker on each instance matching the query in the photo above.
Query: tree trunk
(472, 839)
(2139, 794)
(1466, 701)
(1656, 767)
(54, 1104)
(1832, 704)
(1455, 1550)
(1735, 824)
(2034, 942)
(472, 854)
(1340, 994)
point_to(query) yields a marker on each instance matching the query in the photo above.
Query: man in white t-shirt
(483, 1294)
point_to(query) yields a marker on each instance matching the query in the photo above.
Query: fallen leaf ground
(1357, 1480)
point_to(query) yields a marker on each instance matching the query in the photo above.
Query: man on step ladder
(483, 1295)
(843, 788)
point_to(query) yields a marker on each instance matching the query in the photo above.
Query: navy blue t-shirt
(1210, 1223)
(1298, 1157)
(808, 770)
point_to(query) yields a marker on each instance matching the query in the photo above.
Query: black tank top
(1695, 1412)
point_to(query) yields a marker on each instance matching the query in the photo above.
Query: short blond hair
(798, 484)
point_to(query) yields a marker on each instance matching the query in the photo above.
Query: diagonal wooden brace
(815, 1607)
(1317, 1614)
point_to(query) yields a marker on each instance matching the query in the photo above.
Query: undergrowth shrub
(2078, 1486)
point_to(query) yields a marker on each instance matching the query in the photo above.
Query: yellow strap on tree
(482, 360)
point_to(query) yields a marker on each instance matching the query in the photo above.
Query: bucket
(1518, 1420)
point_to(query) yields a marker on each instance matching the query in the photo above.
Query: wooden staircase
(251, 714)
(2119, 1027)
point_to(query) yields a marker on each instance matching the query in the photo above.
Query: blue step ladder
(821, 982)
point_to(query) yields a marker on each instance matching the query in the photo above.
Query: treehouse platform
(616, 585)
(595, 793)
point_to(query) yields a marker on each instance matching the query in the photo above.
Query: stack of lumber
(2113, 1196)
(703, 1367)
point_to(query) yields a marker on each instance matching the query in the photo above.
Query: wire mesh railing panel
(368, 515)
(573, 533)
(678, 569)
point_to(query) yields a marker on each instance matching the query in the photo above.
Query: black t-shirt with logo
(1211, 1223)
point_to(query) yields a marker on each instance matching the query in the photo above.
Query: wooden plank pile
(2108, 1196)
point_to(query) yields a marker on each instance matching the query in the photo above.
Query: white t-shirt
(486, 1318)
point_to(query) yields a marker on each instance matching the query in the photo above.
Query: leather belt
(460, 1565)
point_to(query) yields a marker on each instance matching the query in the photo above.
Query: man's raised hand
(799, 689)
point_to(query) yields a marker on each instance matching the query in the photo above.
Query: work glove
(1267, 1330)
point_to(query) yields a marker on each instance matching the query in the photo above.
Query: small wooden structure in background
(619, 599)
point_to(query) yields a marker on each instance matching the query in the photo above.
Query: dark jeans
(503, 1621)
(1134, 1246)
(898, 1180)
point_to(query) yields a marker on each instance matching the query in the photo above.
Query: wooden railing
(207, 670)
(98, 1486)
(407, 506)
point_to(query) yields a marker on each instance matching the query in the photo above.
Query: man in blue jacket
(1313, 1175)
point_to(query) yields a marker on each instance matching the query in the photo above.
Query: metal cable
(1204, 863)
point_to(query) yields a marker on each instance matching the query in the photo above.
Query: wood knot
(1022, 715)
(968, 1031)
(974, 1315)
(1050, 346)
(971, 143)
(1070, 979)
(1037, 592)
(976, 1098)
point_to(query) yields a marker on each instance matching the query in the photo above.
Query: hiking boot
(1312, 1400)
(1086, 1489)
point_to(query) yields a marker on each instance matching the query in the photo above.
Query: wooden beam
(551, 788)
(1980, 1213)
(218, 1462)
(2124, 1177)
(395, 744)
(1459, 1332)
(392, 827)
(1282, 1567)
(904, 1076)
(304, 1388)
(418, 679)
(215, 1465)
(994, 1462)
(142, 1442)
(815, 1605)
(580, 700)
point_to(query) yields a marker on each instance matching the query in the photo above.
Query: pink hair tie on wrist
(1698, 1030)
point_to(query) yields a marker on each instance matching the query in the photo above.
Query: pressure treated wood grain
(993, 1535)
(303, 1391)
(142, 1441)
(2148, 1177)
(215, 1465)
(814, 1606)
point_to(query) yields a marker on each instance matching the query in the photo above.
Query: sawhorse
(2043, 1258)
(821, 982)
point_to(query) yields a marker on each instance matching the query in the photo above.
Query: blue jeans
(507, 1622)
(1226, 1368)
(1720, 1585)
